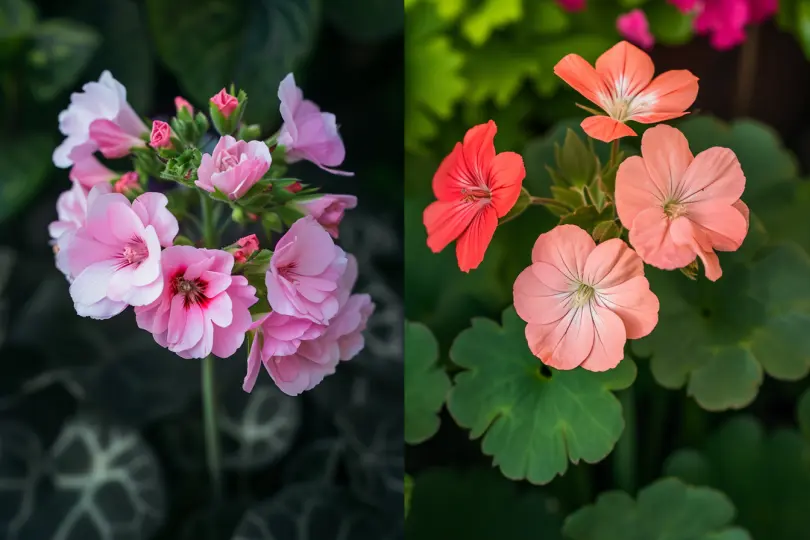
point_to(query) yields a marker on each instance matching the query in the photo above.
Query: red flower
(474, 188)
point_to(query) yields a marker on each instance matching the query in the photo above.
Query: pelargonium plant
(585, 293)
(129, 239)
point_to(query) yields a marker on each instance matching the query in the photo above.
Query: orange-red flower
(623, 86)
(474, 188)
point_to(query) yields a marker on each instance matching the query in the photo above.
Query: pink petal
(536, 302)
(634, 303)
(566, 247)
(474, 241)
(650, 237)
(608, 342)
(635, 190)
(714, 175)
(667, 157)
(254, 364)
(611, 263)
(725, 226)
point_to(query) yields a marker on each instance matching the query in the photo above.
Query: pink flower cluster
(316, 322)
(725, 20)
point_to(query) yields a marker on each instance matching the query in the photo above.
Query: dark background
(100, 433)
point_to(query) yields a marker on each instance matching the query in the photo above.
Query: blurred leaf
(490, 15)
(802, 22)
(498, 70)
(25, 161)
(665, 510)
(765, 475)
(252, 44)
(532, 424)
(107, 483)
(21, 465)
(262, 425)
(803, 414)
(426, 384)
(371, 20)
(408, 494)
(60, 52)
(309, 512)
(479, 505)
(17, 20)
(547, 17)
(668, 24)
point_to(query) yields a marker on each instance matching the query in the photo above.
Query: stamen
(583, 294)
(674, 209)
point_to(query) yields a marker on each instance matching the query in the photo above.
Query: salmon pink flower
(623, 86)
(328, 210)
(87, 170)
(474, 188)
(633, 25)
(105, 99)
(308, 133)
(161, 136)
(582, 301)
(116, 254)
(203, 309)
(678, 207)
(234, 166)
(224, 102)
(302, 279)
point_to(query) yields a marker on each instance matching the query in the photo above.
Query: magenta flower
(725, 20)
(308, 133)
(161, 136)
(87, 170)
(203, 309)
(105, 99)
(298, 355)
(302, 279)
(572, 5)
(116, 255)
(328, 210)
(634, 27)
(234, 167)
(225, 103)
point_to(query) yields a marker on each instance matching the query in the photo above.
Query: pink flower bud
(180, 103)
(225, 102)
(295, 187)
(128, 182)
(633, 27)
(247, 246)
(161, 135)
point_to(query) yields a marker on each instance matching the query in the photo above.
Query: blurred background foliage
(100, 433)
(740, 343)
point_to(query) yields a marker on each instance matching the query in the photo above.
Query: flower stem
(614, 152)
(624, 462)
(747, 72)
(212, 442)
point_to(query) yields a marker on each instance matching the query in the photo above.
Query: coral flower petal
(636, 195)
(724, 225)
(673, 92)
(535, 301)
(650, 236)
(505, 181)
(667, 157)
(608, 343)
(447, 221)
(685, 232)
(605, 128)
(451, 165)
(627, 67)
(478, 149)
(716, 175)
(566, 247)
(582, 77)
(612, 262)
(635, 304)
(473, 243)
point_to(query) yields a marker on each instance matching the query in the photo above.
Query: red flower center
(192, 290)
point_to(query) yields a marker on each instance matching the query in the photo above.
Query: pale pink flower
(180, 103)
(678, 207)
(116, 255)
(634, 27)
(128, 182)
(302, 279)
(298, 356)
(112, 140)
(87, 170)
(161, 136)
(224, 102)
(328, 210)
(203, 309)
(308, 133)
(248, 245)
(105, 99)
(582, 301)
(234, 166)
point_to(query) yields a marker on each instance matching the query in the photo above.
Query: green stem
(624, 458)
(548, 202)
(614, 152)
(209, 228)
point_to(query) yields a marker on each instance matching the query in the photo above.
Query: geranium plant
(131, 238)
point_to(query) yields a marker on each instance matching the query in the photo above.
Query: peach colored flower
(582, 301)
(677, 206)
(474, 188)
(623, 86)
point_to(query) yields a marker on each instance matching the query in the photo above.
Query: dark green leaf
(25, 162)
(371, 20)
(426, 384)
(523, 202)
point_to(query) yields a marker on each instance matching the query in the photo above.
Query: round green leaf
(665, 510)
(532, 424)
(765, 476)
(426, 384)
(479, 505)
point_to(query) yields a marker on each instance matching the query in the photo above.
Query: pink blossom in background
(105, 99)
(725, 20)
(127, 183)
(112, 141)
(328, 210)
(295, 187)
(161, 136)
(304, 272)
(299, 356)
(308, 133)
(582, 301)
(87, 169)
(248, 245)
(203, 309)
(234, 166)
(572, 5)
(225, 103)
(116, 254)
(181, 103)
(633, 26)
